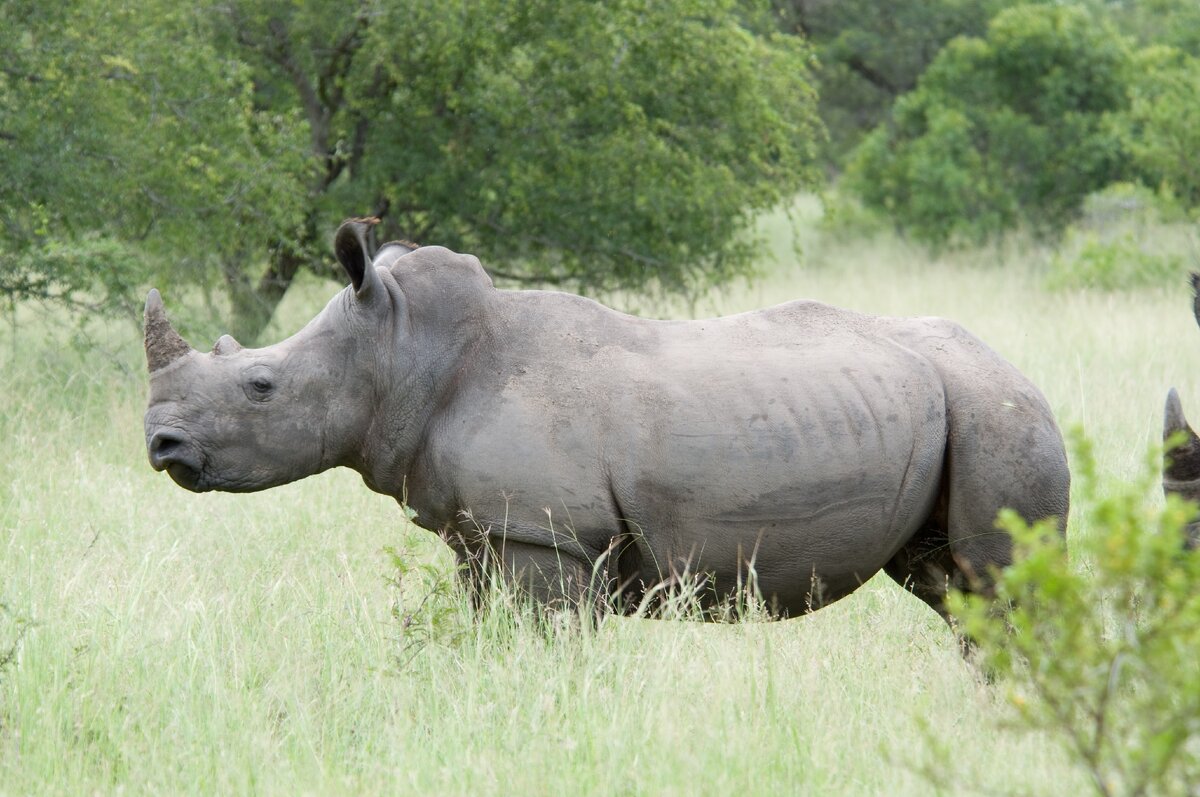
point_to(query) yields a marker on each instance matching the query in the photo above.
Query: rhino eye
(258, 384)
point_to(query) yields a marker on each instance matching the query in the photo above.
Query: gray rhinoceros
(581, 453)
(1181, 464)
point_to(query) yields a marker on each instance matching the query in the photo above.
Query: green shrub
(1088, 261)
(1005, 131)
(1099, 648)
(1162, 125)
(1127, 236)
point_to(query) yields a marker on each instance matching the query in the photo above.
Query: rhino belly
(812, 484)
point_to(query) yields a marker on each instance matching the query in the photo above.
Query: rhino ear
(391, 251)
(353, 251)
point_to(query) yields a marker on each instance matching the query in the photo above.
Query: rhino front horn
(163, 344)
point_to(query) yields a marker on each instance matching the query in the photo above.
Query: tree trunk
(249, 315)
(253, 304)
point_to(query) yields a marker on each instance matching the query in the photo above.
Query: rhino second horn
(163, 344)
(226, 345)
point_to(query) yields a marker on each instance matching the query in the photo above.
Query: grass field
(164, 642)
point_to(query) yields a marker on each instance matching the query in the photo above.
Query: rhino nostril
(164, 442)
(165, 448)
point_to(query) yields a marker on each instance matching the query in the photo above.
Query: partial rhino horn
(1182, 461)
(226, 345)
(163, 344)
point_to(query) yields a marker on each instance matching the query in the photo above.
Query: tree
(601, 145)
(871, 53)
(1162, 125)
(135, 150)
(1012, 129)
(1174, 23)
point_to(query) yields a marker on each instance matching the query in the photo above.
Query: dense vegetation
(1031, 168)
(162, 642)
(595, 145)
(616, 144)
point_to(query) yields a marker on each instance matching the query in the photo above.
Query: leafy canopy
(601, 145)
(870, 53)
(133, 148)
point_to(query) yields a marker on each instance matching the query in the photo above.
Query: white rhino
(587, 454)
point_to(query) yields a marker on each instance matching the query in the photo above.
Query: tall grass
(174, 643)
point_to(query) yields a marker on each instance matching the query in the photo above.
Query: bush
(1099, 647)
(1004, 131)
(1162, 126)
(1127, 237)
(1088, 261)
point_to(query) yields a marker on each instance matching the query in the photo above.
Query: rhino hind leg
(993, 462)
(1006, 456)
(926, 568)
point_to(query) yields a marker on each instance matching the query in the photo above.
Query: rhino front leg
(552, 579)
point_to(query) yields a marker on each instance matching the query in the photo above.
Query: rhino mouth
(187, 477)
(170, 451)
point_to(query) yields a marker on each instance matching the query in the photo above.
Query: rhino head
(241, 419)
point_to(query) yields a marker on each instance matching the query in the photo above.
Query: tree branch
(279, 51)
(874, 77)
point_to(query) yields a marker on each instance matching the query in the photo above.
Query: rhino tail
(1181, 459)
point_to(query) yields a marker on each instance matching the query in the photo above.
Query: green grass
(223, 644)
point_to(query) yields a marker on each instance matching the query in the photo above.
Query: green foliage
(870, 53)
(1099, 646)
(1120, 263)
(1162, 125)
(1002, 131)
(15, 627)
(1127, 237)
(427, 604)
(136, 152)
(602, 145)
(1174, 23)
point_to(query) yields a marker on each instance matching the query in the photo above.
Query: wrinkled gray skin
(586, 454)
(1181, 464)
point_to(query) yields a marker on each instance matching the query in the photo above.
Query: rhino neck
(434, 355)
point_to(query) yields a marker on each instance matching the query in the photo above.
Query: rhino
(582, 455)
(1181, 456)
